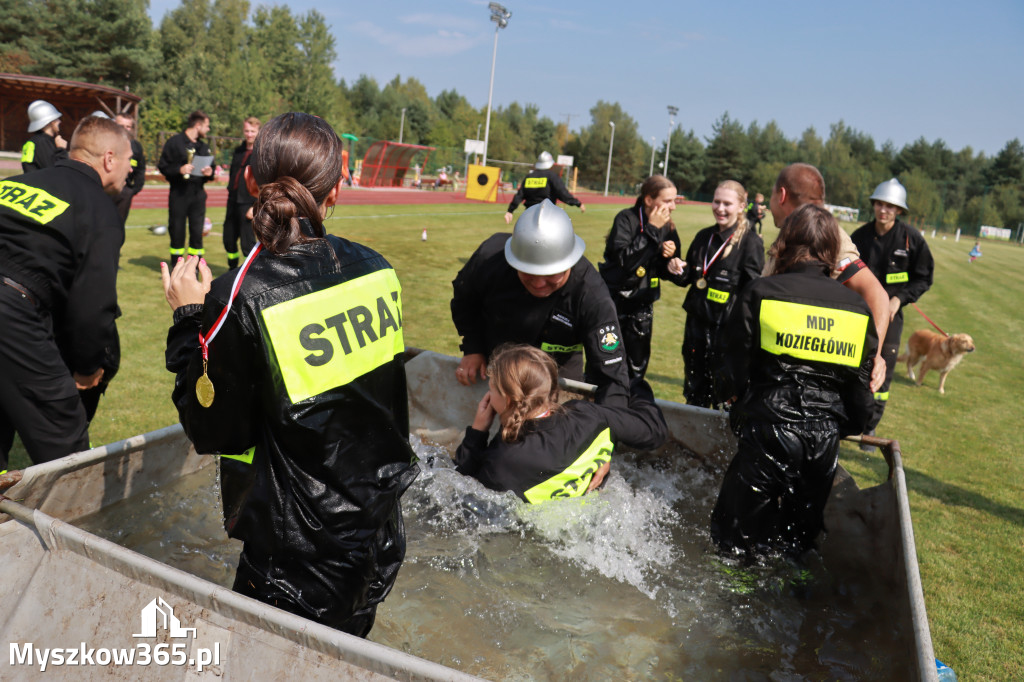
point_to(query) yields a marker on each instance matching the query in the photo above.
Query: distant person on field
(755, 211)
(238, 214)
(187, 198)
(899, 257)
(137, 178)
(975, 253)
(539, 184)
(45, 147)
(799, 184)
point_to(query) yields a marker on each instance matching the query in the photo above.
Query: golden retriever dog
(941, 353)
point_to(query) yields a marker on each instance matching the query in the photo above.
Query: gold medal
(702, 283)
(640, 271)
(204, 388)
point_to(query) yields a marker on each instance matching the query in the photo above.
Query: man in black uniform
(535, 287)
(187, 198)
(238, 214)
(137, 178)
(59, 244)
(539, 184)
(899, 257)
(46, 146)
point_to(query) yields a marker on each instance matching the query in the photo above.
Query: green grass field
(961, 451)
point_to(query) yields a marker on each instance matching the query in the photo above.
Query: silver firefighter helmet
(891, 192)
(544, 161)
(543, 241)
(40, 114)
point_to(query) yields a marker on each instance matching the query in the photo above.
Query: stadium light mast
(500, 16)
(608, 173)
(651, 171)
(401, 128)
(672, 111)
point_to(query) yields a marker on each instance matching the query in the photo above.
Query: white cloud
(441, 42)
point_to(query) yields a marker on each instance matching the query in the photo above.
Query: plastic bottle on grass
(946, 674)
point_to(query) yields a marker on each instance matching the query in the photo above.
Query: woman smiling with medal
(721, 259)
(291, 368)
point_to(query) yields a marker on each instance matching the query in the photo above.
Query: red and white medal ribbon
(205, 341)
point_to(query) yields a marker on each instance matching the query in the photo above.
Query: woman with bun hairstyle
(290, 367)
(721, 260)
(545, 450)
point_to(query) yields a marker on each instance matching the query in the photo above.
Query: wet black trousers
(38, 398)
(317, 591)
(636, 325)
(890, 350)
(186, 201)
(775, 489)
(700, 358)
(237, 230)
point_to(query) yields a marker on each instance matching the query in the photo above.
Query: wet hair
(652, 188)
(810, 233)
(803, 182)
(296, 161)
(741, 222)
(95, 135)
(195, 117)
(527, 378)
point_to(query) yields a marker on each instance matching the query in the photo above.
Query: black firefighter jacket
(799, 348)
(490, 306)
(309, 378)
(726, 275)
(539, 185)
(633, 266)
(900, 259)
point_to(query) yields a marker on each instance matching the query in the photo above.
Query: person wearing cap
(535, 287)
(45, 147)
(901, 260)
(539, 184)
(238, 214)
(137, 178)
(187, 198)
(801, 183)
(58, 295)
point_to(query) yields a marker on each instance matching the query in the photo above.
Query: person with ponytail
(544, 450)
(290, 367)
(721, 259)
(636, 256)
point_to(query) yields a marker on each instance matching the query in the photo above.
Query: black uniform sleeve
(858, 400)
(626, 247)
(138, 177)
(467, 301)
(518, 198)
(92, 297)
(693, 253)
(226, 426)
(753, 258)
(920, 271)
(738, 345)
(605, 365)
(171, 160)
(559, 191)
(470, 451)
(641, 425)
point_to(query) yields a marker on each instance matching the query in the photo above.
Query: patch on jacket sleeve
(608, 339)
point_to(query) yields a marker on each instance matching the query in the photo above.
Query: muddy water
(618, 585)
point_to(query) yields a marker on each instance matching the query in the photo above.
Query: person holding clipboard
(187, 163)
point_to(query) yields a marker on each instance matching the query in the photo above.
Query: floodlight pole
(500, 16)
(651, 171)
(672, 111)
(401, 129)
(608, 173)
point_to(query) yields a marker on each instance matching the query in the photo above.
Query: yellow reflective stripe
(655, 282)
(196, 252)
(3, 472)
(555, 348)
(28, 152)
(811, 332)
(882, 396)
(234, 254)
(178, 252)
(535, 183)
(135, 163)
(717, 296)
(31, 202)
(245, 457)
(897, 277)
(361, 318)
(574, 480)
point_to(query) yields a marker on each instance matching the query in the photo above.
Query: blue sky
(894, 70)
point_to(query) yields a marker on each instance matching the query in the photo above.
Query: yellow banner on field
(482, 183)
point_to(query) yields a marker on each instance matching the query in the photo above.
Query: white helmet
(99, 114)
(40, 114)
(891, 192)
(543, 242)
(544, 161)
